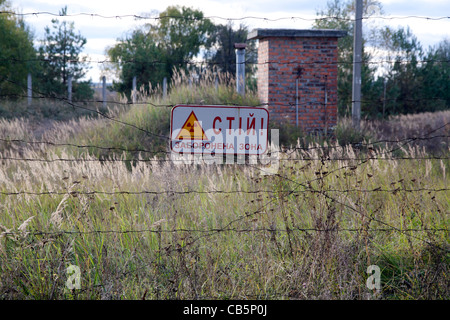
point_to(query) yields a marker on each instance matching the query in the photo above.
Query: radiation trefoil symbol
(192, 129)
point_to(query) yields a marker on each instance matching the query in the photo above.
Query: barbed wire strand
(161, 17)
(149, 103)
(229, 226)
(100, 113)
(295, 63)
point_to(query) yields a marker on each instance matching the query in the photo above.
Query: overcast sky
(101, 32)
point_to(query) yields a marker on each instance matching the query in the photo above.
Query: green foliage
(155, 117)
(60, 55)
(416, 81)
(155, 51)
(289, 135)
(140, 56)
(435, 73)
(343, 11)
(16, 44)
(225, 57)
(181, 32)
(346, 134)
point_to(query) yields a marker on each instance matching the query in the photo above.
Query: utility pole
(357, 61)
(384, 96)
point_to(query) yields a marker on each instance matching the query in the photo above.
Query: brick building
(297, 75)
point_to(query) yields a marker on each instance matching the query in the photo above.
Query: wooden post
(29, 89)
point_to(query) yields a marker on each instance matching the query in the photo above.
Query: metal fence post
(133, 92)
(69, 88)
(29, 89)
(240, 67)
(165, 87)
(104, 90)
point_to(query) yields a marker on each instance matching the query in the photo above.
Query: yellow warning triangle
(192, 130)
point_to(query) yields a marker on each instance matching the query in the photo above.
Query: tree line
(180, 35)
(414, 80)
(51, 64)
(150, 53)
(407, 79)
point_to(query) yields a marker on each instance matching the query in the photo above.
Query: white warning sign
(219, 130)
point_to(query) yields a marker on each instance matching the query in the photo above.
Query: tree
(181, 33)
(417, 81)
(154, 51)
(340, 13)
(137, 55)
(60, 55)
(435, 72)
(224, 56)
(17, 54)
(403, 51)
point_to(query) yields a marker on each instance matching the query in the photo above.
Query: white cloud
(101, 32)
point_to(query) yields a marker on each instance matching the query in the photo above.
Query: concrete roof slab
(295, 33)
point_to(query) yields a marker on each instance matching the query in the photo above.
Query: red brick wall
(278, 61)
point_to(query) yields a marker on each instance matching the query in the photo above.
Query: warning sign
(219, 130)
(192, 129)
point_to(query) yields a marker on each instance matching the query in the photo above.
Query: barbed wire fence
(285, 156)
(149, 17)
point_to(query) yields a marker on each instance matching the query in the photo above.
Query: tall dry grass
(165, 230)
(299, 237)
(404, 127)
